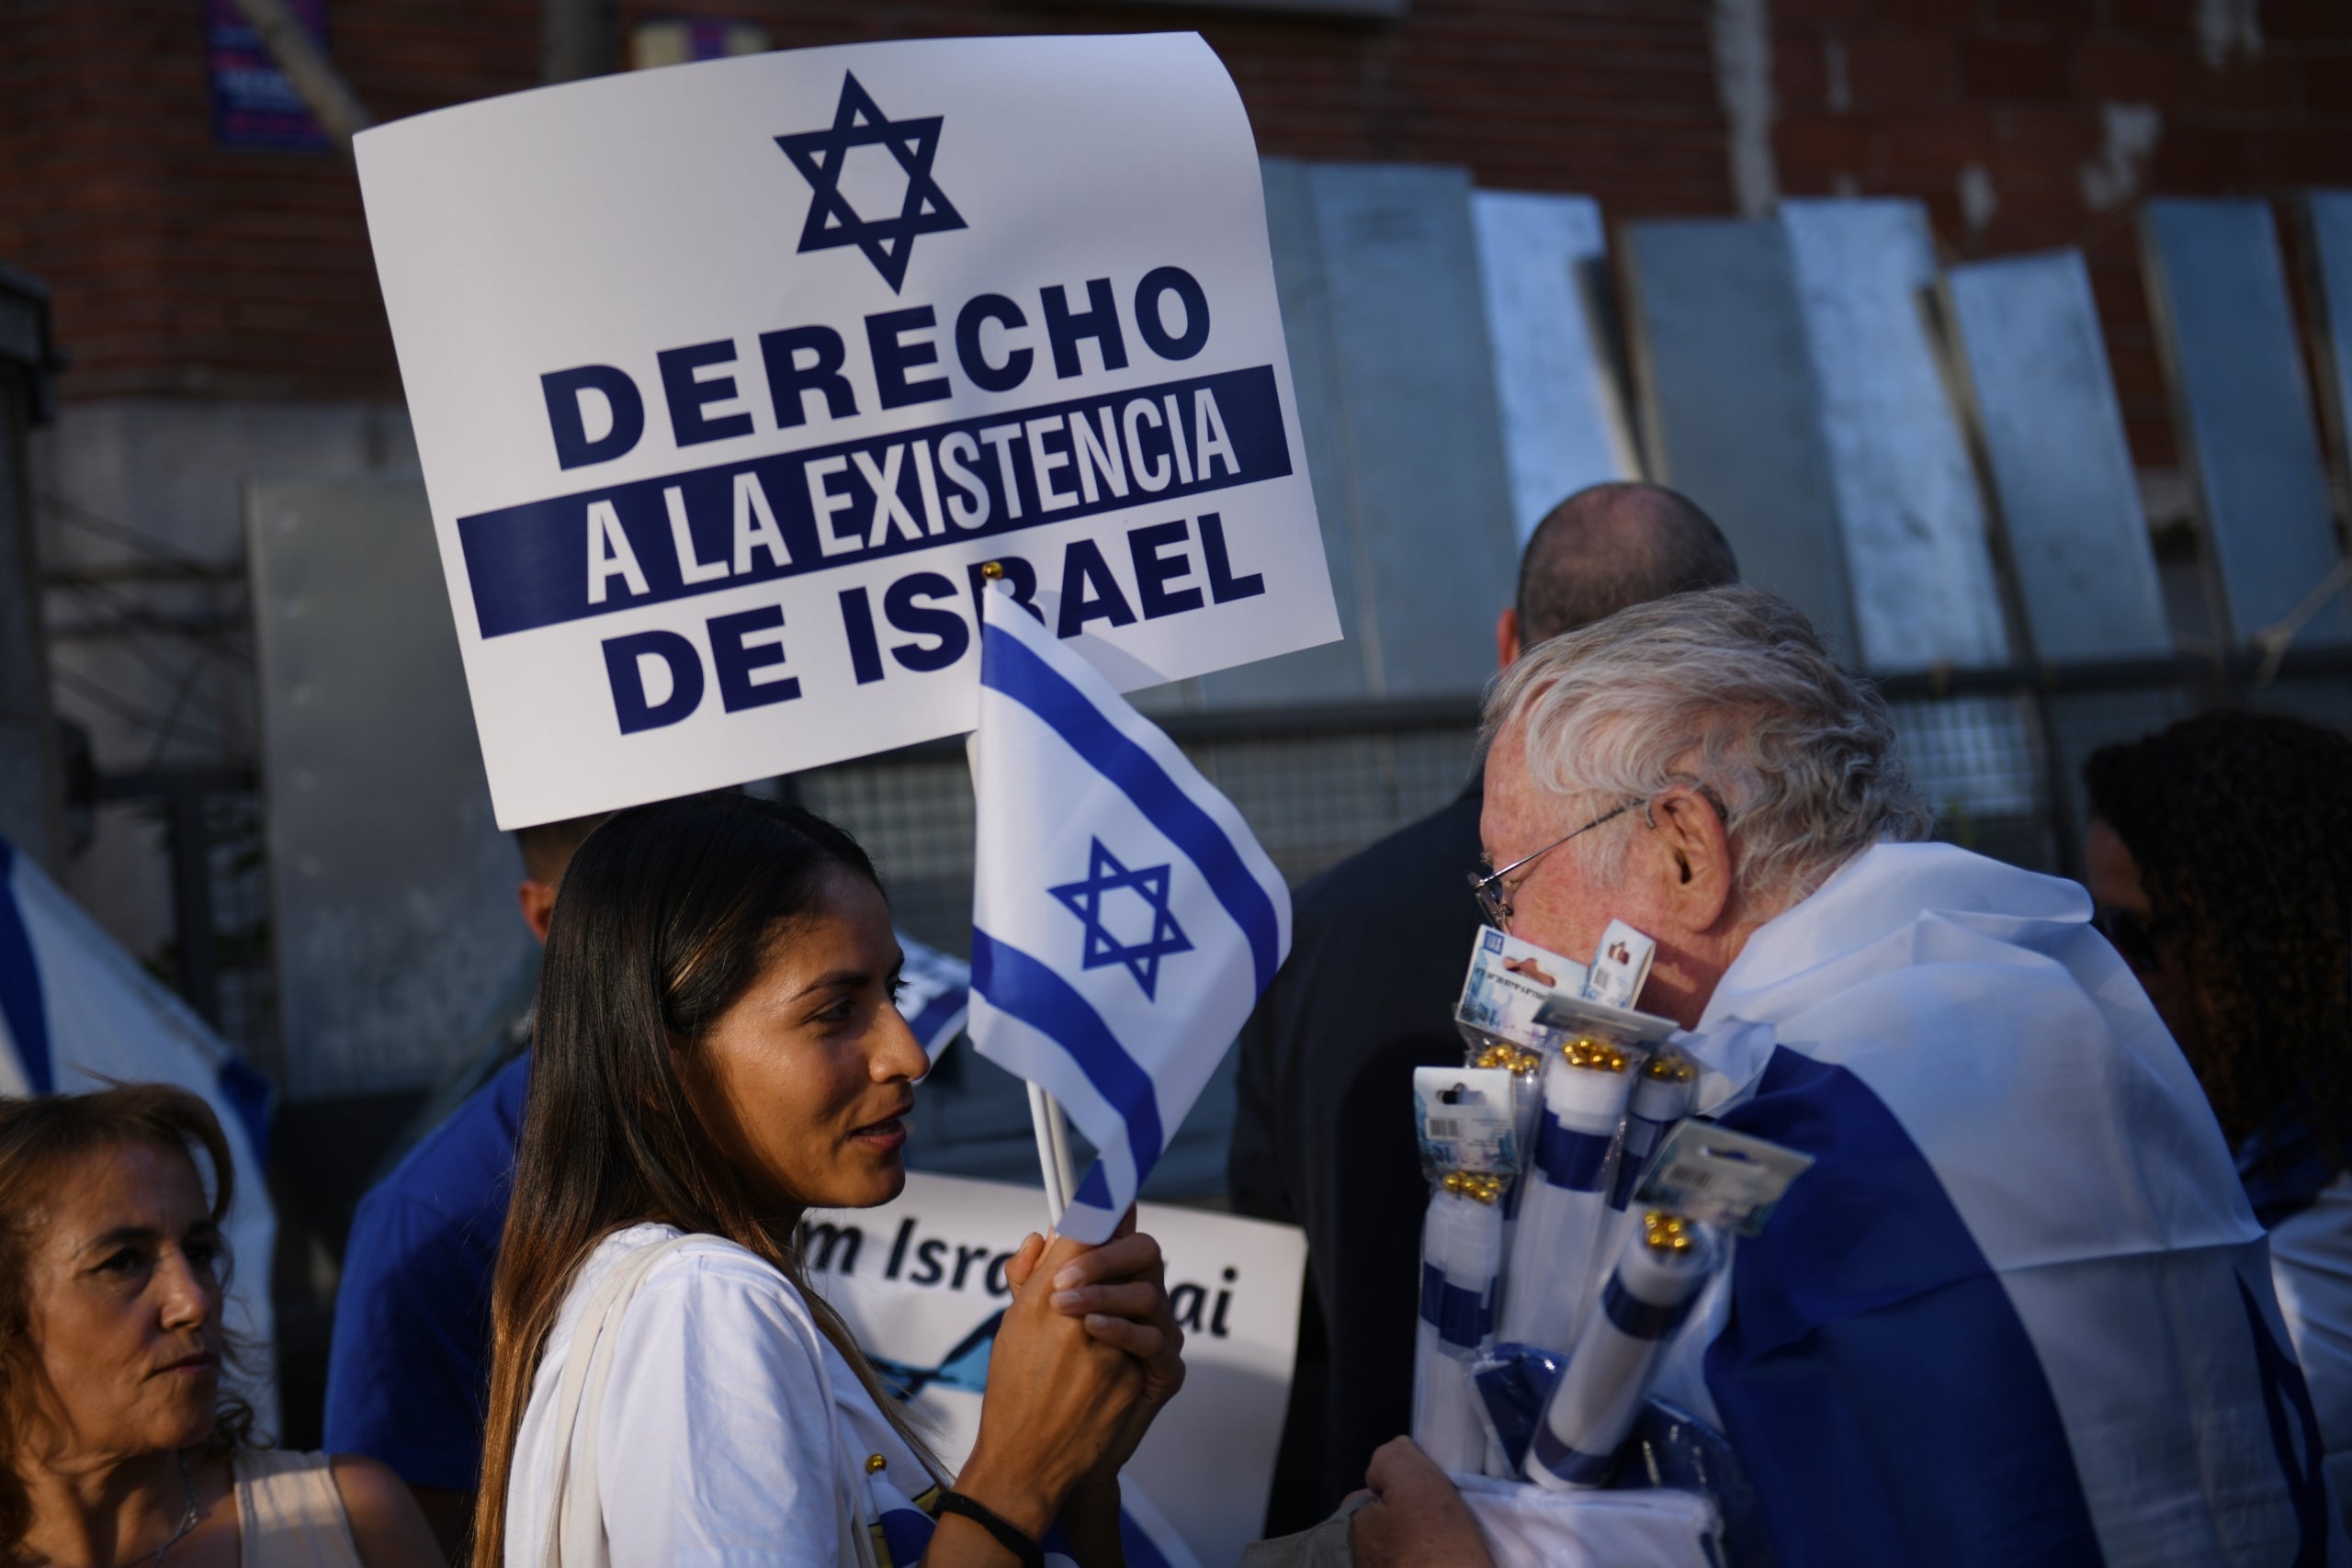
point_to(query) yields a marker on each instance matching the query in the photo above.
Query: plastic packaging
(1461, 1259)
(1555, 1244)
(1662, 1096)
(1594, 1405)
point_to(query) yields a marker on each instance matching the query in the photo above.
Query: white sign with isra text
(921, 1281)
(728, 379)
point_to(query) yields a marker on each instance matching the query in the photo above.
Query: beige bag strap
(575, 1520)
(575, 1523)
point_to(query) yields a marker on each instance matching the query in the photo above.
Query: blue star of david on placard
(821, 155)
(1084, 899)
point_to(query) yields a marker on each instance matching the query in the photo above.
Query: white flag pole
(1046, 1118)
(1057, 1135)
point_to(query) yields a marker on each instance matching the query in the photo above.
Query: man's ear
(537, 901)
(1507, 644)
(1698, 849)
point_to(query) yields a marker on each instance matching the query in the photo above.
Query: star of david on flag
(1086, 809)
(1086, 898)
(822, 155)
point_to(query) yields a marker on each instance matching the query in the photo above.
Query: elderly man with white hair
(2017, 1310)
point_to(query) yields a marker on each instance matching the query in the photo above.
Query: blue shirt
(408, 1375)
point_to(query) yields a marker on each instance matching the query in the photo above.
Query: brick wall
(2025, 125)
(182, 268)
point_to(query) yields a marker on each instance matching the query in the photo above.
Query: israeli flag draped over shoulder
(2019, 1311)
(1123, 919)
(76, 1010)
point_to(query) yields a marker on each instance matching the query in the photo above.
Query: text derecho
(767, 518)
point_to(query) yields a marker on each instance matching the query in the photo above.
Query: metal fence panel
(2217, 289)
(1334, 671)
(1543, 260)
(1919, 562)
(392, 890)
(1731, 407)
(2052, 432)
(2326, 218)
(1422, 445)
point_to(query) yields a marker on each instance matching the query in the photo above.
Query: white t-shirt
(714, 1445)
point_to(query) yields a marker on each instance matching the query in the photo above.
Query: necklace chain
(188, 1519)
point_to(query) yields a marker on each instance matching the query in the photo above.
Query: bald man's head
(1615, 545)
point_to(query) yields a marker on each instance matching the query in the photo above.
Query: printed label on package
(1508, 983)
(1467, 1119)
(1718, 1176)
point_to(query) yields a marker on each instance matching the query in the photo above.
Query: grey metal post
(31, 811)
(578, 39)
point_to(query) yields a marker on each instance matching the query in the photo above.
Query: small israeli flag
(1124, 919)
(934, 993)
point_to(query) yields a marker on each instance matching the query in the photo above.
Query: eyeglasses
(1487, 886)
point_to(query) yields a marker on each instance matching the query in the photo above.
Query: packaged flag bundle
(1662, 1096)
(1526, 1068)
(1586, 1085)
(1608, 1378)
(1462, 1253)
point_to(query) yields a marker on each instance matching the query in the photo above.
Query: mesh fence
(2003, 773)
(1312, 801)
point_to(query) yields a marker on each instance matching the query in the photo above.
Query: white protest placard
(728, 377)
(921, 1280)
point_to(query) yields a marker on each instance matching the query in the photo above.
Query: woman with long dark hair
(2220, 858)
(716, 1054)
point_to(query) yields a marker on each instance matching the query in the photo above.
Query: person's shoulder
(386, 1523)
(707, 1271)
(713, 1313)
(460, 1167)
(504, 1094)
(1433, 855)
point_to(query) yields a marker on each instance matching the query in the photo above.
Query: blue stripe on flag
(906, 1534)
(1571, 1465)
(1015, 668)
(1094, 1188)
(1021, 987)
(1571, 1161)
(2283, 1389)
(1459, 1314)
(1642, 1137)
(1873, 1376)
(1142, 1550)
(943, 1014)
(1638, 1319)
(21, 1007)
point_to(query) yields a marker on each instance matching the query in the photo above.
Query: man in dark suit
(1323, 1131)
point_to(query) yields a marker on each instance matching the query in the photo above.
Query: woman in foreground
(118, 1444)
(717, 1053)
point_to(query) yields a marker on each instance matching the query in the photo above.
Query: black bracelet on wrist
(1007, 1535)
